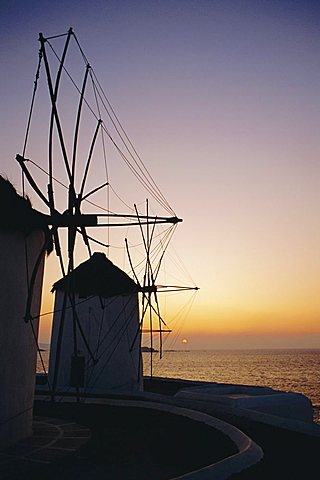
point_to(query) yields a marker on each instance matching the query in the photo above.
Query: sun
(184, 341)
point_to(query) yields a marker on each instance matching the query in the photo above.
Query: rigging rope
(144, 176)
(141, 167)
(122, 129)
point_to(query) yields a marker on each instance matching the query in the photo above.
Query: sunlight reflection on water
(289, 370)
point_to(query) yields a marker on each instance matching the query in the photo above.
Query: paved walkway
(52, 440)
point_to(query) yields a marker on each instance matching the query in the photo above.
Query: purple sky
(221, 99)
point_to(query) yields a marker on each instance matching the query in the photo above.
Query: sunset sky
(222, 101)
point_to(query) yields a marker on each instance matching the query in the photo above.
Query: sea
(294, 370)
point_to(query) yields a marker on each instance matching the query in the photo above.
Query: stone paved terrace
(52, 440)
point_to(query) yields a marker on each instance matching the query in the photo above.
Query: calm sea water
(289, 370)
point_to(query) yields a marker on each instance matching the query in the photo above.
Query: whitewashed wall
(17, 345)
(110, 332)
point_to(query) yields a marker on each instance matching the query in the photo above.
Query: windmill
(63, 152)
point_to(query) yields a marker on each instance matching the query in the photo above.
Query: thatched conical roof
(97, 276)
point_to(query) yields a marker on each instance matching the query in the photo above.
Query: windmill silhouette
(72, 216)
